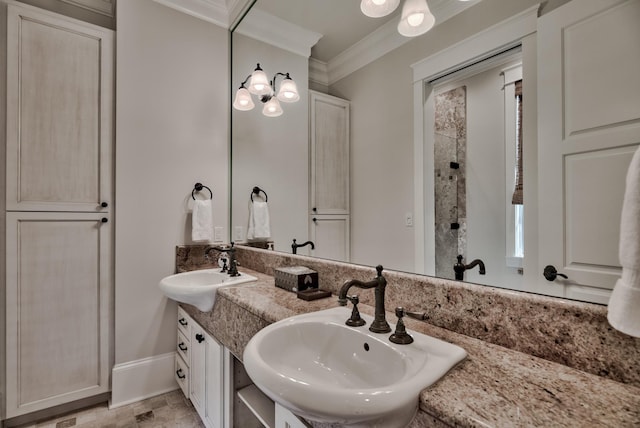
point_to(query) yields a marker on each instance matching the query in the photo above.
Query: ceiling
(341, 22)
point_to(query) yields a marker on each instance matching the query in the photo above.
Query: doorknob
(550, 273)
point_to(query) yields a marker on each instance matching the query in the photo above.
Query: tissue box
(295, 278)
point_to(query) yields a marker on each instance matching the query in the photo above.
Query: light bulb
(259, 83)
(288, 92)
(243, 101)
(415, 19)
(378, 8)
(272, 108)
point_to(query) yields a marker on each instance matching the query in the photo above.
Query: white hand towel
(259, 221)
(624, 304)
(202, 221)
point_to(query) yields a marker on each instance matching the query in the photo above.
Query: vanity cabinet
(59, 236)
(329, 176)
(202, 371)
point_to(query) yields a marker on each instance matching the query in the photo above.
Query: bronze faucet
(379, 324)
(233, 263)
(460, 267)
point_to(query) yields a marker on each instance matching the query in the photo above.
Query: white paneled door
(58, 294)
(589, 127)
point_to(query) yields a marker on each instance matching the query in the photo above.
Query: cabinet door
(589, 127)
(58, 303)
(206, 377)
(59, 112)
(197, 369)
(215, 384)
(330, 234)
(329, 139)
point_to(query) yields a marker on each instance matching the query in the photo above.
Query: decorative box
(295, 278)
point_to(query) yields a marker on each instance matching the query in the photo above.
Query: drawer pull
(183, 322)
(199, 338)
(179, 374)
(182, 347)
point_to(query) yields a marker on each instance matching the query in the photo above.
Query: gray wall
(172, 131)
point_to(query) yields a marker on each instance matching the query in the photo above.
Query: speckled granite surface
(494, 386)
(572, 333)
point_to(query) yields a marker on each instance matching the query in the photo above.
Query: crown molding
(103, 7)
(270, 29)
(214, 11)
(318, 72)
(384, 40)
(493, 40)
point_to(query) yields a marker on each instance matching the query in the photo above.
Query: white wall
(272, 152)
(172, 131)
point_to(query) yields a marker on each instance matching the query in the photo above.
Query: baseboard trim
(141, 379)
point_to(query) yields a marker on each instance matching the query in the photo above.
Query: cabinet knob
(182, 346)
(314, 209)
(104, 205)
(550, 273)
(199, 338)
(183, 322)
(315, 220)
(104, 219)
(179, 374)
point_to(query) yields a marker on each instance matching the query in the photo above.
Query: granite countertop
(492, 387)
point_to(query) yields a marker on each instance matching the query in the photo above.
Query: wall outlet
(217, 233)
(238, 234)
(408, 219)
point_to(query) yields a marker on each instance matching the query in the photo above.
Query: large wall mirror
(460, 200)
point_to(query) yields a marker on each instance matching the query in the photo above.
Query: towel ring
(198, 187)
(257, 190)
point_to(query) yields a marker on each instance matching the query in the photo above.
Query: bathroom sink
(322, 370)
(198, 287)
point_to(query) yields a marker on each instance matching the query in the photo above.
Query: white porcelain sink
(325, 371)
(199, 287)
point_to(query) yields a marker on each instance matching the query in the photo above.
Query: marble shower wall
(450, 145)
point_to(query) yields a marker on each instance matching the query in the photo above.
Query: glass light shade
(378, 8)
(259, 83)
(272, 108)
(243, 100)
(288, 92)
(416, 18)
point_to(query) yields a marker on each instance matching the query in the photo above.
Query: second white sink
(323, 370)
(199, 287)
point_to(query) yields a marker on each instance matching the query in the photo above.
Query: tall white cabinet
(59, 143)
(330, 214)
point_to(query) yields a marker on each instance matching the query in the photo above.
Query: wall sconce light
(260, 85)
(416, 18)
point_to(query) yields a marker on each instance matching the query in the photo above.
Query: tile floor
(170, 410)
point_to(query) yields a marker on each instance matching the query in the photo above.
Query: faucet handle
(355, 320)
(400, 336)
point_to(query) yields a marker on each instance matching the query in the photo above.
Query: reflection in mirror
(434, 161)
(376, 223)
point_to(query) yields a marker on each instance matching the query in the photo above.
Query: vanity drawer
(183, 347)
(181, 374)
(184, 322)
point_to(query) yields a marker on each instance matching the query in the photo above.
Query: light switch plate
(238, 233)
(217, 233)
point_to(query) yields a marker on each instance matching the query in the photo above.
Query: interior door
(589, 127)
